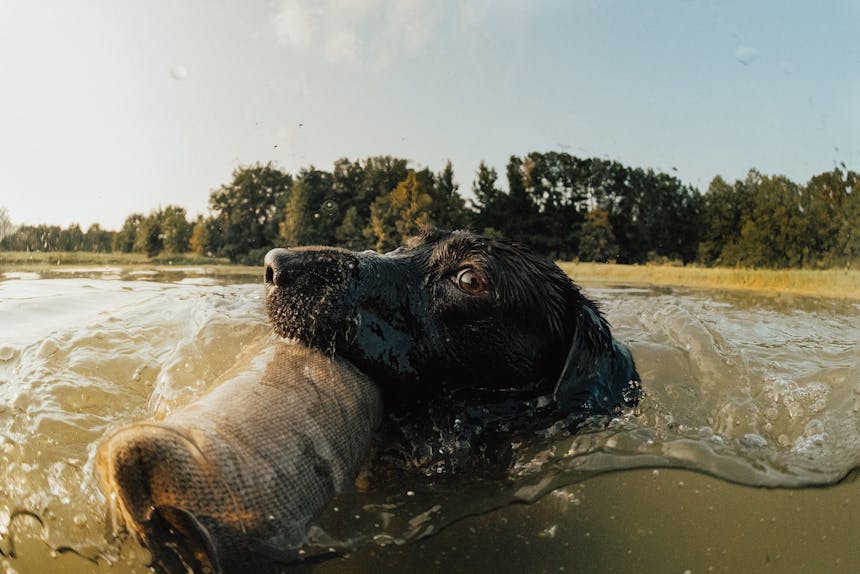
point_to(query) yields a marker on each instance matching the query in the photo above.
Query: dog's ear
(599, 375)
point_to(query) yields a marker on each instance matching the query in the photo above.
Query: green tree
(70, 239)
(847, 250)
(520, 211)
(381, 231)
(550, 182)
(597, 241)
(149, 239)
(484, 188)
(827, 202)
(125, 238)
(297, 228)
(199, 242)
(98, 240)
(488, 203)
(349, 234)
(411, 204)
(449, 208)
(175, 229)
(402, 213)
(6, 227)
(247, 210)
(772, 232)
(380, 175)
(722, 219)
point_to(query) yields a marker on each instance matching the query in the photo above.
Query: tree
(6, 227)
(484, 188)
(247, 210)
(381, 230)
(488, 202)
(175, 229)
(771, 234)
(98, 240)
(597, 241)
(722, 221)
(828, 201)
(847, 249)
(127, 236)
(149, 239)
(550, 180)
(411, 204)
(70, 239)
(449, 208)
(297, 226)
(402, 213)
(381, 174)
(199, 242)
(349, 233)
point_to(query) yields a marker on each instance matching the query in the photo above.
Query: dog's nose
(275, 263)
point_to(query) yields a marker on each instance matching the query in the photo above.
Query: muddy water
(743, 391)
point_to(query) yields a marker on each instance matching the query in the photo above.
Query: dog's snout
(283, 267)
(275, 263)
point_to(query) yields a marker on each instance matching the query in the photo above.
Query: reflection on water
(757, 390)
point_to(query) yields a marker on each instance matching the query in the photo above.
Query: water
(746, 390)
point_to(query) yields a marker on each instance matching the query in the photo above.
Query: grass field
(38, 259)
(838, 283)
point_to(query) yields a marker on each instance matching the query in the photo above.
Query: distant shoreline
(833, 283)
(34, 259)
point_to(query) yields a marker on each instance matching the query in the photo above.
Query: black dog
(455, 315)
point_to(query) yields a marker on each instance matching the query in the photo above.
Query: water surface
(747, 390)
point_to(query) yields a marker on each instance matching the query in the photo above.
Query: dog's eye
(471, 282)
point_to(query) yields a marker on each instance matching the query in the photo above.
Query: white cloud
(357, 31)
(293, 24)
(410, 22)
(342, 45)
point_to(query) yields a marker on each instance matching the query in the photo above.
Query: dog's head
(450, 310)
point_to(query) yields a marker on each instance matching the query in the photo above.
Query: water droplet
(179, 72)
(329, 206)
(746, 55)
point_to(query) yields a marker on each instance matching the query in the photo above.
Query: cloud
(357, 31)
(293, 24)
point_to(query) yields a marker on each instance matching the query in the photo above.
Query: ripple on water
(90, 355)
(735, 387)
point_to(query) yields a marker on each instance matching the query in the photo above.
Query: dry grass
(837, 283)
(37, 259)
(60, 263)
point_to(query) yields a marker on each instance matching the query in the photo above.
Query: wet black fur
(402, 318)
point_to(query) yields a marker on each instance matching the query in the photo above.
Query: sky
(113, 107)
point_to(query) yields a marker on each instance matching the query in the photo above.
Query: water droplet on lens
(179, 72)
(746, 55)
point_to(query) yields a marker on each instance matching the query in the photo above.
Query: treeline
(770, 221)
(563, 206)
